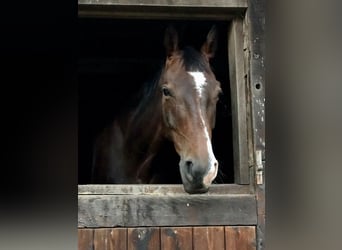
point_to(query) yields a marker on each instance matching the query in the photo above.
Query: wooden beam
(170, 190)
(238, 100)
(163, 210)
(156, 9)
(169, 3)
(256, 22)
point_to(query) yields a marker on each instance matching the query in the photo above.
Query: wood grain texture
(208, 238)
(240, 238)
(158, 9)
(110, 239)
(144, 189)
(189, 3)
(144, 238)
(176, 238)
(85, 239)
(155, 210)
(165, 238)
(238, 101)
(255, 17)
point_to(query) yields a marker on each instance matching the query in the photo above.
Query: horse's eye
(166, 91)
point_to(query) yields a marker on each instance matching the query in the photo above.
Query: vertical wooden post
(256, 22)
(238, 99)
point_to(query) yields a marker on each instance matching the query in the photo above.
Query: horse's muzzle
(195, 189)
(197, 178)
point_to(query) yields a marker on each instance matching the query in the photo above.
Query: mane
(144, 111)
(146, 94)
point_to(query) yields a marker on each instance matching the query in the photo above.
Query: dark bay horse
(180, 106)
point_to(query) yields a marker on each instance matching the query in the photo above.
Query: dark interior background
(116, 57)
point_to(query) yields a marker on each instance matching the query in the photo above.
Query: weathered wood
(208, 238)
(115, 238)
(177, 238)
(238, 101)
(172, 9)
(144, 238)
(157, 210)
(255, 18)
(101, 239)
(158, 189)
(240, 238)
(85, 239)
(177, 3)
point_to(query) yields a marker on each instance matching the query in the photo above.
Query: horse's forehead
(199, 81)
(192, 83)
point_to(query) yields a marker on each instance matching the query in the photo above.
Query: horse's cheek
(168, 115)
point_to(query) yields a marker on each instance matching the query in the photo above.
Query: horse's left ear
(171, 41)
(209, 47)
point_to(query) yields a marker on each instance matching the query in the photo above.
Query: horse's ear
(171, 40)
(209, 47)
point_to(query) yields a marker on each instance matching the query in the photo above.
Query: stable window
(121, 47)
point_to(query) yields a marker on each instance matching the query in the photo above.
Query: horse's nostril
(188, 165)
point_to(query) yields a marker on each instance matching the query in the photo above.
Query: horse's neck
(143, 133)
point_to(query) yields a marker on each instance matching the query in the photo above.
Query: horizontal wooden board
(160, 210)
(169, 3)
(159, 189)
(153, 9)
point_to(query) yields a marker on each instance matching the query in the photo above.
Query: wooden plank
(238, 100)
(155, 9)
(110, 239)
(158, 189)
(208, 238)
(177, 3)
(156, 210)
(144, 238)
(240, 238)
(85, 239)
(177, 238)
(256, 22)
(134, 12)
(256, 18)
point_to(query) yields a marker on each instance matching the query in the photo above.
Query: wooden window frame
(165, 205)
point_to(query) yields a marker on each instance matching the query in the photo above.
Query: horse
(179, 106)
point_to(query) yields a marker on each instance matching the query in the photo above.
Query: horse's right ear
(171, 41)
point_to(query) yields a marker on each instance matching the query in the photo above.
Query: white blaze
(200, 81)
